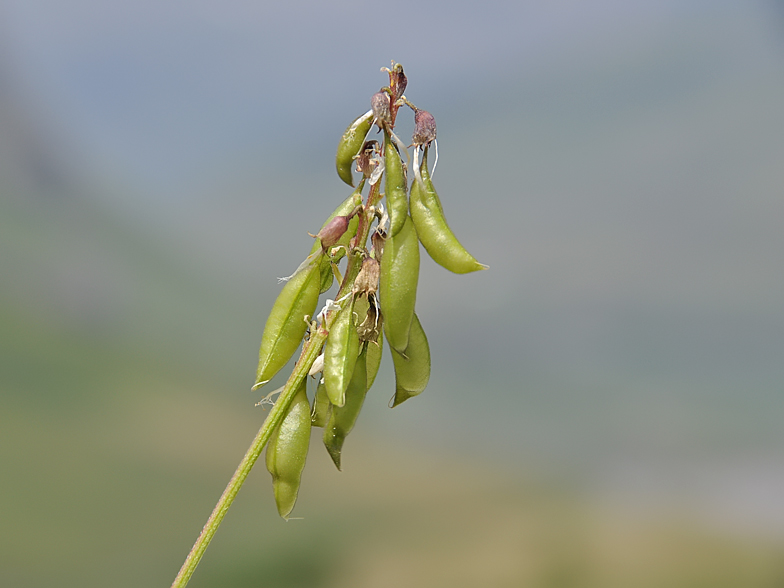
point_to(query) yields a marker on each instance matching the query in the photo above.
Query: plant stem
(276, 414)
(310, 351)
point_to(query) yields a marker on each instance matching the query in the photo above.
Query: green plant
(377, 292)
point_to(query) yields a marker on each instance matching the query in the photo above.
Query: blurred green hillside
(122, 376)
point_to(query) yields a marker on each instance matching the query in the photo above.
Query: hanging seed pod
(433, 231)
(287, 451)
(373, 361)
(398, 284)
(396, 193)
(326, 276)
(350, 144)
(321, 406)
(340, 353)
(286, 324)
(343, 418)
(412, 370)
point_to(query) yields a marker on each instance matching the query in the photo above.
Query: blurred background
(606, 405)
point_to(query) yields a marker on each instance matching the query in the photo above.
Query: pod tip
(401, 395)
(285, 499)
(334, 447)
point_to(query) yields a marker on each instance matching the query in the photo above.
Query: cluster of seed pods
(376, 299)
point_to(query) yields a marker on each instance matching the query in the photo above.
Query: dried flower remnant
(369, 159)
(367, 279)
(331, 233)
(397, 81)
(397, 85)
(424, 135)
(424, 128)
(379, 104)
(369, 328)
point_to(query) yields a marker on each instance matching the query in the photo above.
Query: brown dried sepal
(331, 233)
(367, 280)
(377, 239)
(379, 102)
(424, 128)
(368, 158)
(370, 328)
(397, 85)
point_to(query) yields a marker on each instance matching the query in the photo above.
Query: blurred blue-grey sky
(162, 90)
(617, 164)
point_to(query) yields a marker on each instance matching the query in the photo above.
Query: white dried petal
(383, 222)
(329, 305)
(268, 398)
(317, 366)
(309, 260)
(378, 170)
(417, 171)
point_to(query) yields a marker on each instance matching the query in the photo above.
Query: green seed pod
(434, 233)
(287, 451)
(342, 418)
(321, 406)
(327, 277)
(397, 198)
(350, 144)
(398, 284)
(412, 371)
(286, 323)
(373, 360)
(340, 353)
